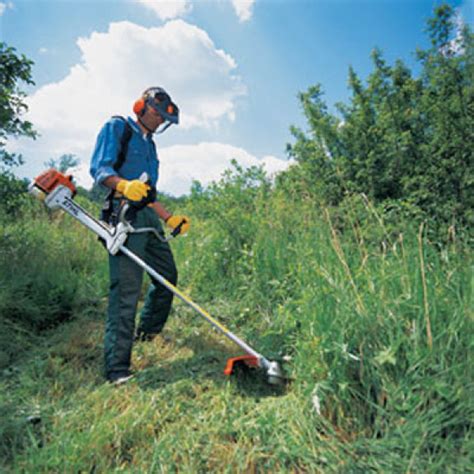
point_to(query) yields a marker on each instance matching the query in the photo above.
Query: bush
(12, 194)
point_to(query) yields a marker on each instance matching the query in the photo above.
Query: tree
(400, 138)
(446, 167)
(63, 163)
(13, 70)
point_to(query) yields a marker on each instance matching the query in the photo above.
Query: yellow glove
(134, 190)
(174, 221)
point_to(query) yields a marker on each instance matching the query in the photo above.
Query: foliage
(231, 208)
(376, 326)
(96, 194)
(12, 194)
(13, 69)
(63, 163)
(49, 271)
(400, 138)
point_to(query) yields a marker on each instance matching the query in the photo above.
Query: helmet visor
(162, 103)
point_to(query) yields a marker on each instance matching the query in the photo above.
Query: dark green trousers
(125, 287)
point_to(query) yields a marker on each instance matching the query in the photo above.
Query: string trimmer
(57, 191)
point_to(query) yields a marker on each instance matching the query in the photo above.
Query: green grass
(178, 410)
(377, 326)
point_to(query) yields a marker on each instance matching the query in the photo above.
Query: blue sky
(234, 67)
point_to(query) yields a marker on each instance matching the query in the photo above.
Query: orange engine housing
(49, 180)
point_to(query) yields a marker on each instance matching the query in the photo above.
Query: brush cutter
(57, 191)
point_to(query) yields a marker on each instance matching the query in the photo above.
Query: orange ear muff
(139, 106)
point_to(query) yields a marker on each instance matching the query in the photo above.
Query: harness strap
(107, 214)
(124, 141)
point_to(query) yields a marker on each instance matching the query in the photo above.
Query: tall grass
(50, 269)
(377, 319)
(375, 322)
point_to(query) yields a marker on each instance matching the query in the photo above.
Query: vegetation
(366, 289)
(13, 69)
(403, 141)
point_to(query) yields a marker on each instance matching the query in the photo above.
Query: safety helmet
(158, 99)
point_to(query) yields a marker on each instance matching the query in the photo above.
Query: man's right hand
(134, 190)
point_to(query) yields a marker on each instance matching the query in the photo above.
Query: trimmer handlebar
(58, 191)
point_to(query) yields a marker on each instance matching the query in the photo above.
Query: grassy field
(376, 323)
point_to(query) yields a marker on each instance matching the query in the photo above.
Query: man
(123, 152)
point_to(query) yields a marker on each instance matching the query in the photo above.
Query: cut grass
(179, 393)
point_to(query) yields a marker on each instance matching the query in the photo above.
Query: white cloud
(4, 6)
(81, 175)
(243, 9)
(118, 65)
(205, 162)
(168, 9)
(456, 43)
(455, 47)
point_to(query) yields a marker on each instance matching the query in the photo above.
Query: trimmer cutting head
(275, 374)
(273, 370)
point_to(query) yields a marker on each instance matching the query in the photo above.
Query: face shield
(161, 102)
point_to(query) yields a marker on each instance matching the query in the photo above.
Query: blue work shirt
(141, 153)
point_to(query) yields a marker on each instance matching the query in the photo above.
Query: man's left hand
(183, 222)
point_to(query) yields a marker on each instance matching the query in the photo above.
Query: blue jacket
(141, 154)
